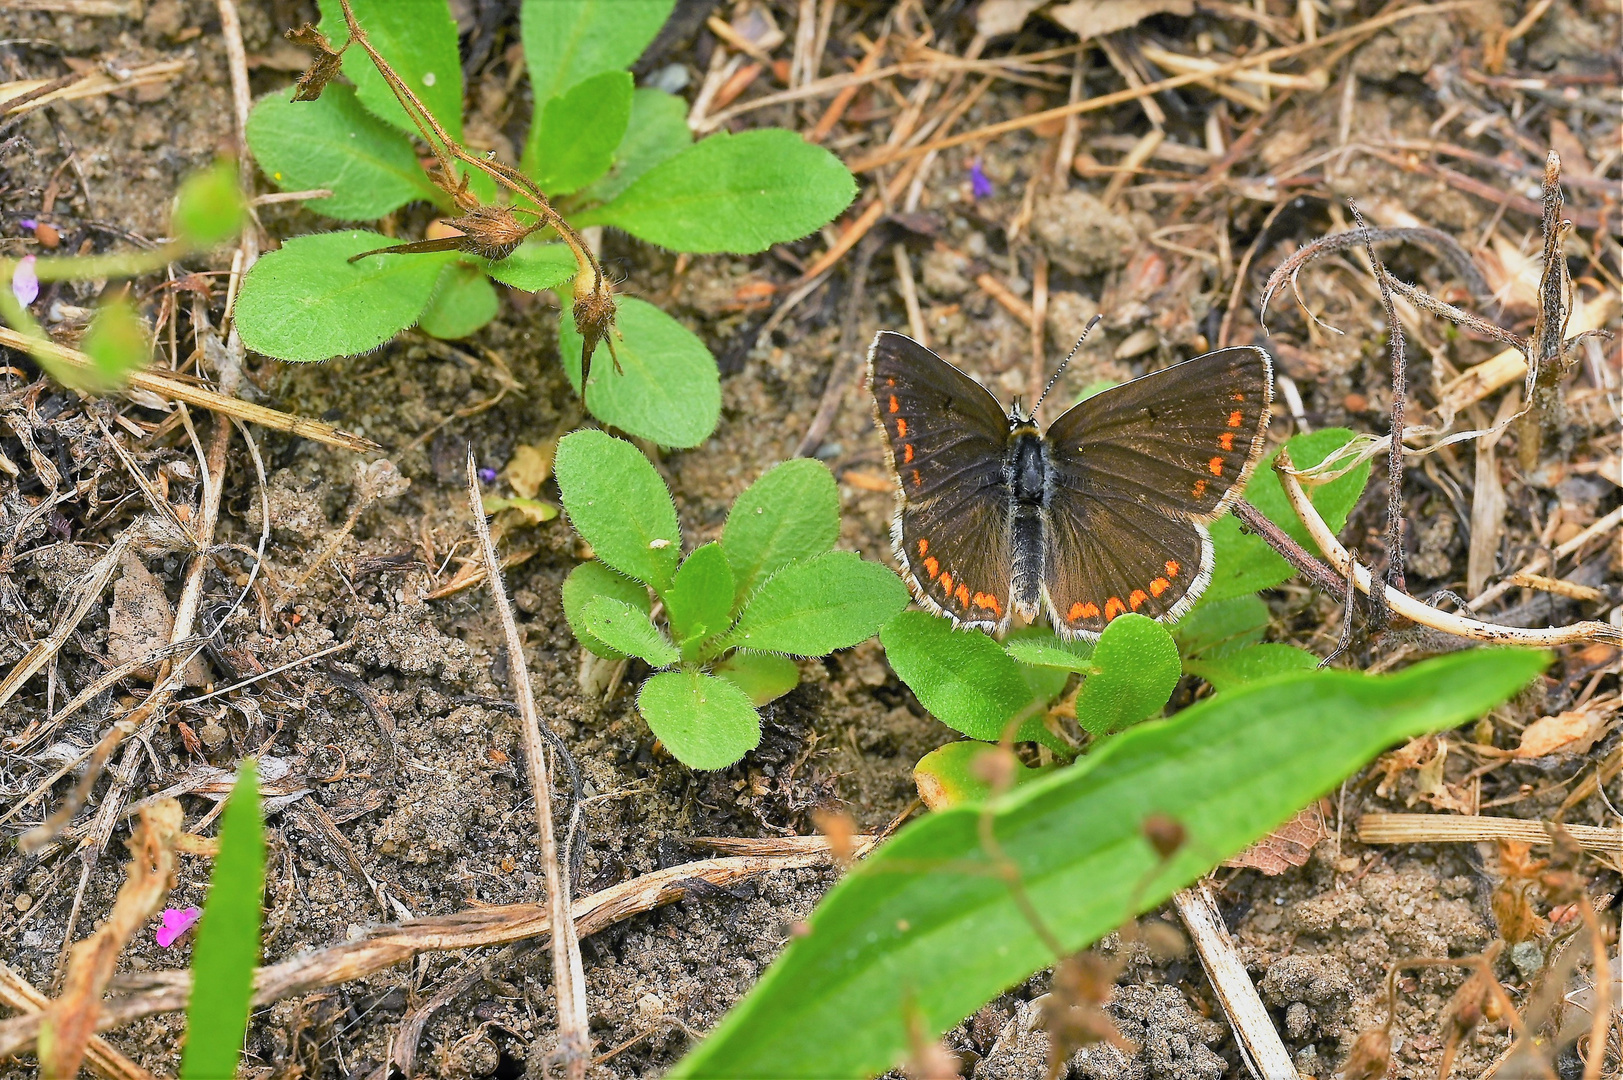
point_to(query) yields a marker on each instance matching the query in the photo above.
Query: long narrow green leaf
(227, 948)
(925, 931)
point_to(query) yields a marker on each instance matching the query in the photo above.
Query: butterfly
(1102, 514)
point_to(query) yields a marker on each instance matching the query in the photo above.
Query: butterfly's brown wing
(1138, 473)
(945, 437)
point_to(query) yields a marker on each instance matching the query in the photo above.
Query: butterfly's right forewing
(946, 437)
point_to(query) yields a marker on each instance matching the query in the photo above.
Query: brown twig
(1400, 395)
(569, 979)
(104, 1059)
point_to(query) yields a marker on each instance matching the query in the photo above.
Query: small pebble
(48, 236)
(23, 902)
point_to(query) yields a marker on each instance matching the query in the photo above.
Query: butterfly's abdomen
(1025, 471)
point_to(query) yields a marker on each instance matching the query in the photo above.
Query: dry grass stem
(1453, 829)
(104, 1059)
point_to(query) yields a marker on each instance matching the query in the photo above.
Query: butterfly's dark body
(1104, 513)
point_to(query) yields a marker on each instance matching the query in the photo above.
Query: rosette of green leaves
(605, 153)
(734, 611)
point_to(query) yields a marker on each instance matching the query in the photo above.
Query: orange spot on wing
(894, 407)
(907, 453)
(946, 584)
(1238, 397)
(932, 567)
(1216, 465)
(1236, 418)
(1172, 568)
(1199, 489)
(890, 382)
(901, 428)
(918, 481)
(988, 602)
(1136, 598)
(1226, 440)
(1159, 586)
(1114, 607)
(962, 593)
(1080, 611)
(924, 547)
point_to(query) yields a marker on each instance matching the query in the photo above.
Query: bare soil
(435, 815)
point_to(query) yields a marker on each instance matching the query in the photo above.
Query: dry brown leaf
(1571, 732)
(1288, 846)
(1408, 756)
(71, 1019)
(996, 17)
(530, 467)
(1089, 18)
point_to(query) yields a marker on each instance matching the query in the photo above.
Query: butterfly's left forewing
(945, 436)
(1138, 473)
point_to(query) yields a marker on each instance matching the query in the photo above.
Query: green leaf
(116, 341)
(700, 601)
(953, 775)
(1246, 563)
(418, 38)
(658, 129)
(1138, 669)
(1218, 627)
(227, 949)
(626, 629)
(579, 129)
(589, 581)
(619, 505)
(765, 677)
(1046, 649)
(308, 302)
(962, 677)
(333, 143)
(811, 608)
(535, 511)
(708, 723)
(534, 265)
(925, 930)
(739, 193)
(566, 41)
(463, 302)
(791, 513)
(668, 390)
(209, 208)
(1253, 662)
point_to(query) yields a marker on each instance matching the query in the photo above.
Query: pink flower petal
(176, 921)
(24, 282)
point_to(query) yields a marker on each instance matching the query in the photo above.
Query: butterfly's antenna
(1061, 369)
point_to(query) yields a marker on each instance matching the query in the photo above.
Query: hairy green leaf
(307, 302)
(810, 608)
(418, 38)
(708, 723)
(668, 389)
(1217, 627)
(700, 600)
(739, 193)
(765, 677)
(791, 513)
(962, 677)
(209, 208)
(1240, 666)
(956, 774)
(333, 143)
(534, 265)
(925, 930)
(566, 41)
(588, 581)
(658, 129)
(1245, 563)
(625, 628)
(227, 949)
(463, 302)
(578, 131)
(1047, 649)
(1137, 670)
(618, 503)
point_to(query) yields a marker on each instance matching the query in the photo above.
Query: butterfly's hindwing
(945, 437)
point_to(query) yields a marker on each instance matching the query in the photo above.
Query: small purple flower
(28, 223)
(24, 282)
(487, 475)
(176, 921)
(980, 187)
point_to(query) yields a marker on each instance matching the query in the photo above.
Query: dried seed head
(1517, 920)
(1165, 834)
(492, 232)
(322, 69)
(594, 319)
(1370, 1058)
(840, 830)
